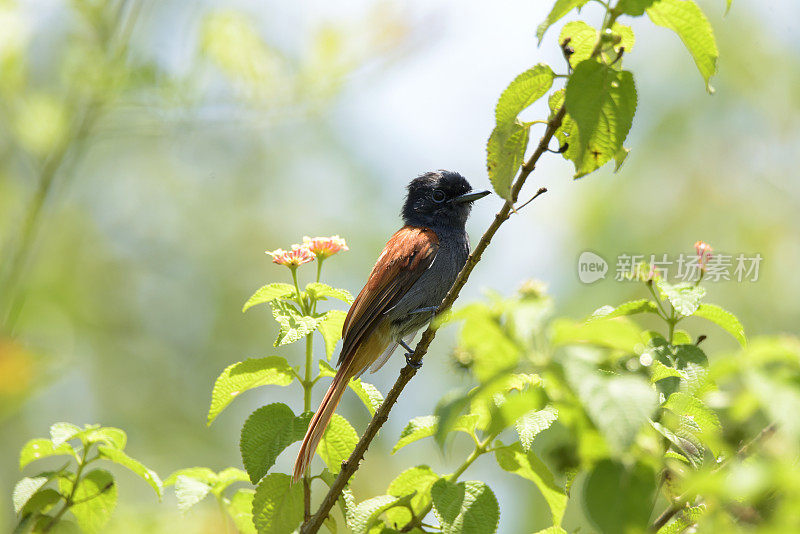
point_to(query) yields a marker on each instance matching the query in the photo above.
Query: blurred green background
(150, 151)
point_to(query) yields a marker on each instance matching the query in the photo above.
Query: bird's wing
(408, 254)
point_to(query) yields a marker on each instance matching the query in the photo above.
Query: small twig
(541, 191)
(680, 503)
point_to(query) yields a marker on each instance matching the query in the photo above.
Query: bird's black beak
(469, 197)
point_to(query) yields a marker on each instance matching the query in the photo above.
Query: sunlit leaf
(337, 443)
(724, 319)
(416, 481)
(425, 426)
(559, 10)
(118, 457)
(330, 326)
(266, 433)
(269, 293)
(277, 504)
(465, 507)
(249, 374)
(95, 499)
(43, 448)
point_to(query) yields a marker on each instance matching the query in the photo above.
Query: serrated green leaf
(582, 39)
(683, 520)
(293, 325)
(533, 423)
(632, 307)
(120, 458)
(561, 8)
(617, 499)
(95, 499)
(724, 319)
(625, 33)
(507, 409)
(695, 410)
(369, 394)
(190, 491)
(249, 374)
(113, 437)
(685, 18)
(25, 489)
(635, 8)
(277, 504)
(337, 443)
(425, 426)
(365, 514)
(240, 508)
(602, 102)
(416, 481)
(527, 465)
(505, 153)
(269, 293)
(319, 290)
(266, 433)
(691, 450)
(685, 297)
(465, 507)
(523, 91)
(63, 432)
(43, 448)
(330, 326)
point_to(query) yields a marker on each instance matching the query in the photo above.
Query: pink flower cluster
(311, 249)
(703, 253)
(325, 247)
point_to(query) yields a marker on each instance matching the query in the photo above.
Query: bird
(411, 277)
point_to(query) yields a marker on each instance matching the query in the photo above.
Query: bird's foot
(412, 363)
(409, 355)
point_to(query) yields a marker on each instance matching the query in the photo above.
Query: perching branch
(407, 373)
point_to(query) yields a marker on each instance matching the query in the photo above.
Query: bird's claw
(411, 362)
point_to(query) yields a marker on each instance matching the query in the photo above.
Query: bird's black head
(439, 199)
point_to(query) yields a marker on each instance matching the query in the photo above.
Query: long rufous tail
(320, 422)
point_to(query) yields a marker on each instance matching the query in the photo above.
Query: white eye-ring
(438, 195)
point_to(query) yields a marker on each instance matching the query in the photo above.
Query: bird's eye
(438, 195)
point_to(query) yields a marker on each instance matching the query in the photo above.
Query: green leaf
(534, 422)
(95, 499)
(626, 36)
(63, 432)
(203, 474)
(507, 409)
(561, 8)
(41, 502)
(659, 371)
(620, 157)
(618, 405)
(685, 18)
(113, 437)
(369, 394)
(683, 520)
(465, 507)
(491, 348)
(249, 374)
(602, 102)
(632, 307)
(691, 449)
(25, 489)
(365, 514)
(240, 508)
(337, 443)
(319, 291)
(635, 8)
(527, 465)
(617, 499)
(190, 491)
(723, 318)
(425, 426)
(330, 326)
(416, 481)
(120, 458)
(505, 153)
(695, 410)
(277, 504)
(685, 297)
(526, 89)
(228, 476)
(621, 333)
(43, 448)
(268, 293)
(266, 433)
(582, 39)
(293, 325)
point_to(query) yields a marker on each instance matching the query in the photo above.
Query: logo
(591, 267)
